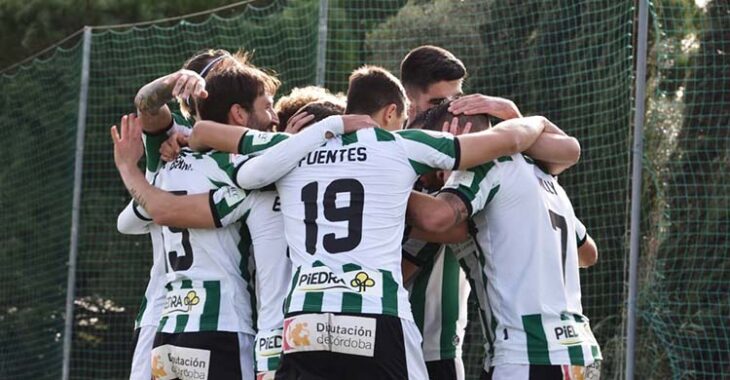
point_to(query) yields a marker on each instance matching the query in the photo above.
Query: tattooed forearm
(138, 197)
(458, 207)
(153, 96)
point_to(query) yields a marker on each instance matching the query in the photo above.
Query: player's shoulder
(368, 135)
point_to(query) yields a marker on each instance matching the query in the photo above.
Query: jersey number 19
(352, 214)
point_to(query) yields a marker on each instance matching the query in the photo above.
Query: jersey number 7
(352, 214)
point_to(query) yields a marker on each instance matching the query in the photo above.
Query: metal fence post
(322, 42)
(637, 165)
(76, 202)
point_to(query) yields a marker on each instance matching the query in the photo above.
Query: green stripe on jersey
(418, 295)
(349, 138)
(574, 352)
(163, 322)
(264, 140)
(294, 280)
(420, 168)
(212, 307)
(596, 353)
(140, 313)
(537, 345)
(152, 144)
(272, 364)
(491, 195)
(449, 302)
(181, 321)
(383, 135)
(390, 294)
(442, 143)
(351, 302)
(504, 159)
(313, 301)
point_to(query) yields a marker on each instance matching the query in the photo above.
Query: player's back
(344, 210)
(206, 287)
(527, 233)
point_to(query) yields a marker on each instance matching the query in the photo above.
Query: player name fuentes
(324, 157)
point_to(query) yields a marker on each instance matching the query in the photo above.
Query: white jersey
(527, 233)
(208, 280)
(344, 210)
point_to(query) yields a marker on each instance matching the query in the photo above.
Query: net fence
(570, 61)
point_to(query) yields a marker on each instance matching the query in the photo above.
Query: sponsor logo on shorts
(172, 362)
(320, 279)
(184, 301)
(329, 332)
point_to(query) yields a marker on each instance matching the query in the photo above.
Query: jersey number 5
(178, 263)
(352, 214)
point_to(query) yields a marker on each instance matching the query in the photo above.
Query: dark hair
(427, 64)
(234, 81)
(197, 63)
(287, 106)
(371, 89)
(434, 118)
(321, 110)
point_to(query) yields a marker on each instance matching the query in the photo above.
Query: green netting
(569, 60)
(684, 329)
(38, 127)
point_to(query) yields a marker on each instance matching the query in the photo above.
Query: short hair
(434, 118)
(234, 81)
(291, 104)
(427, 64)
(321, 110)
(372, 88)
(198, 62)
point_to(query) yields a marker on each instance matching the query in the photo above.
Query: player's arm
(132, 221)
(191, 211)
(555, 150)
(441, 216)
(151, 100)
(505, 139)
(587, 253)
(587, 250)
(476, 104)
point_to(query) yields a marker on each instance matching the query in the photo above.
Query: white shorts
(141, 364)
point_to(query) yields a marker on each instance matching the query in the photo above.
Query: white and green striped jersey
(209, 285)
(133, 220)
(344, 210)
(438, 294)
(527, 235)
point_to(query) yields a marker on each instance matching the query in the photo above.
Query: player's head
(433, 119)
(321, 110)
(430, 75)
(201, 62)
(239, 94)
(376, 92)
(290, 104)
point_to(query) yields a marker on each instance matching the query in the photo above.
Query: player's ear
(391, 111)
(237, 115)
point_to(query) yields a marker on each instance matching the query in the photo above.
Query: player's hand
(454, 128)
(170, 149)
(187, 83)
(297, 122)
(354, 123)
(127, 139)
(475, 104)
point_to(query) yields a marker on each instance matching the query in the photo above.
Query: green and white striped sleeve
(153, 142)
(255, 142)
(475, 186)
(429, 151)
(228, 205)
(581, 234)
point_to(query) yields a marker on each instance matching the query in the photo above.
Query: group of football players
(338, 237)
